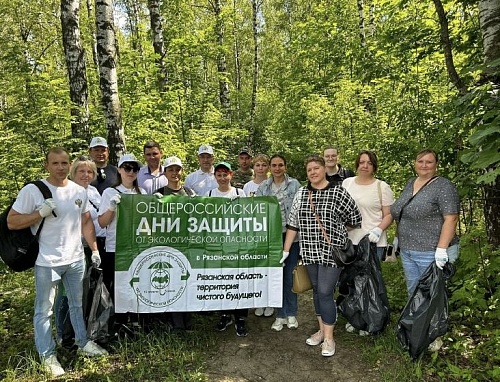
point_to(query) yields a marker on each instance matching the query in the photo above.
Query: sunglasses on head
(129, 168)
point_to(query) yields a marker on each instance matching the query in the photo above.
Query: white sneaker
(363, 333)
(259, 312)
(268, 312)
(91, 349)
(436, 345)
(278, 324)
(292, 322)
(349, 328)
(328, 348)
(52, 366)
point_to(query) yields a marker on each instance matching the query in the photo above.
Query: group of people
(334, 207)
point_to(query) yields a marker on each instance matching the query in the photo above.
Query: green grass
(156, 356)
(471, 351)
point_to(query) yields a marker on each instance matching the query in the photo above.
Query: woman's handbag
(342, 256)
(301, 280)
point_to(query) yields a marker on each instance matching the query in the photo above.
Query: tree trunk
(90, 14)
(372, 19)
(221, 61)
(489, 20)
(237, 64)
(132, 10)
(446, 44)
(237, 71)
(108, 79)
(255, 85)
(77, 76)
(158, 44)
(361, 23)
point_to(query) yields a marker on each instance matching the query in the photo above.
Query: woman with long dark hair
(284, 188)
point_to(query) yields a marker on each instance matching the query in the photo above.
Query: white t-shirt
(105, 203)
(367, 198)
(228, 194)
(201, 182)
(60, 239)
(250, 188)
(94, 205)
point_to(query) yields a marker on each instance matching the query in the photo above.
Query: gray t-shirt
(422, 219)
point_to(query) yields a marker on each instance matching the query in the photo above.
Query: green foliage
(474, 313)
(319, 84)
(480, 108)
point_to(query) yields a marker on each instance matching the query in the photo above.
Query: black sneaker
(241, 330)
(224, 322)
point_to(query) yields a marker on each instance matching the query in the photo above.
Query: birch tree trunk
(158, 43)
(75, 63)
(221, 61)
(237, 66)
(108, 79)
(90, 14)
(361, 23)
(489, 20)
(237, 63)
(132, 10)
(255, 85)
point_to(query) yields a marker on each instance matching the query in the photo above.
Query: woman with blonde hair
(260, 164)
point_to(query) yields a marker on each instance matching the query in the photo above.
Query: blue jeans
(415, 264)
(46, 281)
(61, 309)
(380, 252)
(289, 307)
(323, 280)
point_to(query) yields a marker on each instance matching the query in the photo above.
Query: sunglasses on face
(128, 168)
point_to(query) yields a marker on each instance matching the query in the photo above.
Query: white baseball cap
(98, 141)
(172, 161)
(129, 158)
(205, 149)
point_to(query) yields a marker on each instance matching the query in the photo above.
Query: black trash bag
(425, 316)
(366, 307)
(99, 309)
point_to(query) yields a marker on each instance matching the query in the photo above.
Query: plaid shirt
(335, 209)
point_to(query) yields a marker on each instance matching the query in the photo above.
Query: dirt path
(266, 355)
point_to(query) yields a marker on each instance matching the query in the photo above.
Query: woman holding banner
(223, 176)
(173, 172)
(128, 167)
(284, 188)
(173, 166)
(321, 209)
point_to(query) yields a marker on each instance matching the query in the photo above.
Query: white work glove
(159, 195)
(374, 235)
(47, 207)
(114, 201)
(96, 258)
(283, 258)
(441, 257)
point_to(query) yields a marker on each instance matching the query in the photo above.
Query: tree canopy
(284, 76)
